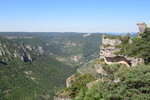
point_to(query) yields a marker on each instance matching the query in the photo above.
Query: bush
(140, 47)
(135, 85)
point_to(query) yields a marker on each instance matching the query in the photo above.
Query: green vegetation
(9, 48)
(85, 48)
(108, 45)
(89, 68)
(32, 80)
(64, 46)
(114, 71)
(140, 47)
(31, 41)
(101, 59)
(39, 79)
(112, 37)
(121, 82)
(134, 85)
(42, 78)
(78, 85)
(125, 41)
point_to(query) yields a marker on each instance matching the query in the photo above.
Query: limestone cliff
(110, 47)
(113, 44)
(58, 98)
(13, 50)
(142, 27)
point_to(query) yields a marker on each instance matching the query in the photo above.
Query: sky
(73, 15)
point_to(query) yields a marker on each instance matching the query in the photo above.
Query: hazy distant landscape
(74, 50)
(38, 70)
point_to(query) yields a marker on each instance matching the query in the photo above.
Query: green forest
(33, 80)
(134, 85)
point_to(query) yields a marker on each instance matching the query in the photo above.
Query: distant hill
(14, 50)
(36, 79)
(76, 49)
(71, 48)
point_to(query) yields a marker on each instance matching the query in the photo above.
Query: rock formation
(69, 80)
(64, 95)
(111, 46)
(10, 50)
(108, 50)
(58, 98)
(142, 27)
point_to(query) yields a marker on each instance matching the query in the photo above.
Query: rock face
(69, 80)
(100, 70)
(142, 27)
(76, 58)
(40, 50)
(108, 41)
(109, 48)
(10, 50)
(108, 51)
(65, 95)
(58, 98)
(136, 61)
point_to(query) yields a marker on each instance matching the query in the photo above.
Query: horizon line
(64, 32)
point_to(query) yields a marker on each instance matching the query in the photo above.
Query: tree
(140, 47)
(134, 85)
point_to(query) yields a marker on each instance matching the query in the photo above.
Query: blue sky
(73, 15)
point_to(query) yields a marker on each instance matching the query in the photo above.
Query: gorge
(113, 60)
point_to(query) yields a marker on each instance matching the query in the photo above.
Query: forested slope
(31, 80)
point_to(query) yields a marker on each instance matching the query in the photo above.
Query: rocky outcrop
(106, 40)
(136, 61)
(76, 58)
(108, 48)
(111, 46)
(100, 70)
(142, 27)
(69, 80)
(58, 98)
(108, 51)
(65, 95)
(39, 50)
(10, 50)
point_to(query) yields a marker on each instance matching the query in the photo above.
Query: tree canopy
(140, 47)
